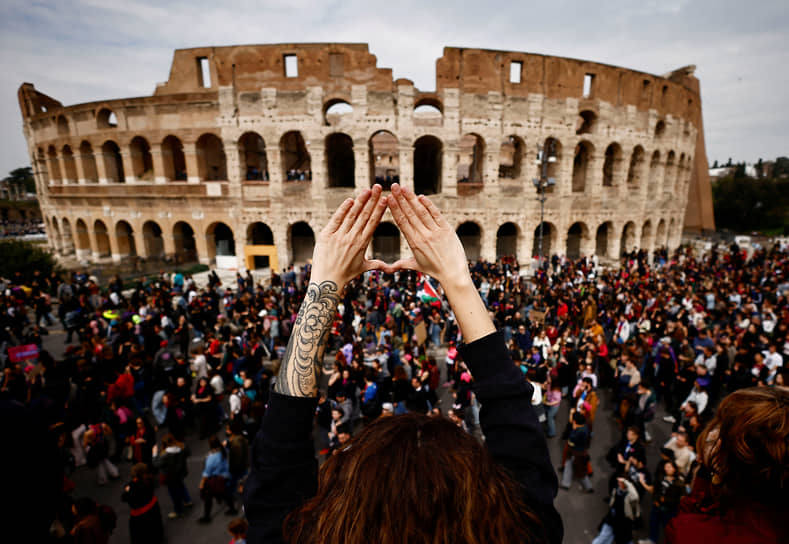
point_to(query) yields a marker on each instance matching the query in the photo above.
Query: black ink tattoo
(302, 362)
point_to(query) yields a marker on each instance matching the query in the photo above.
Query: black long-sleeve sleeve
(284, 471)
(513, 435)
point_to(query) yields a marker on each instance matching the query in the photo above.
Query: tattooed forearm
(302, 362)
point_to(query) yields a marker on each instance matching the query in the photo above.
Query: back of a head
(746, 446)
(415, 479)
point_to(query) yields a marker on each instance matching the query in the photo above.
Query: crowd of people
(152, 367)
(20, 228)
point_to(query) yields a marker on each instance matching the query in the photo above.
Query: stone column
(115, 252)
(406, 166)
(276, 175)
(139, 242)
(169, 241)
(94, 244)
(101, 168)
(449, 160)
(158, 163)
(488, 243)
(319, 173)
(190, 157)
(202, 244)
(564, 173)
(128, 165)
(232, 162)
(63, 170)
(78, 161)
(361, 160)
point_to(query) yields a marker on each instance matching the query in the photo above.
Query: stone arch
(301, 242)
(603, 239)
(470, 235)
(69, 165)
(471, 159)
(428, 151)
(549, 236)
(124, 236)
(584, 151)
(660, 129)
(296, 161)
(429, 105)
(82, 237)
(577, 238)
(386, 242)
(54, 236)
(668, 172)
(507, 237)
(106, 119)
(102, 239)
(141, 159)
(113, 162)
(680, 174)
(154, 242)
(552, 147)
(586, 122)
(384, 159)
(63, 125)
(54, 165)
(66, 236)
(252, 157)
(654, 175)
(612, 164)
(259, 234)
(184, 242)
(646, 236)
(89, 169)
(220, 241)
(340, 161)
(211, 160)
(173, 159)
(661, 235)
(336, 110)
(511, 154)
(627, 243)
(636, 167)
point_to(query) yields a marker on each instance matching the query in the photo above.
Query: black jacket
(284, 471)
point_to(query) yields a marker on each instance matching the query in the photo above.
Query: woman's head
(746, 445)
(413, 478)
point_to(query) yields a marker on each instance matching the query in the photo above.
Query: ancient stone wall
(257, 145)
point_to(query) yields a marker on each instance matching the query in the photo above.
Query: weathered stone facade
(249, 149)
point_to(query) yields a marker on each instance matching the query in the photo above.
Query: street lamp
(543, 183)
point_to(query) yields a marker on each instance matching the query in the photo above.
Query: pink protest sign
(22, 353)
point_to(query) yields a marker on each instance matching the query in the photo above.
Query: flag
(429, 293)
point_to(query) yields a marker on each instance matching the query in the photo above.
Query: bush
(25, 258)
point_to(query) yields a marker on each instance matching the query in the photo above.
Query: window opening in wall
(588, 81)
(203, 72)
(515, 71)
(645, 89)
(291, 65)
(336, 67)
(663, 94)
(112, 119)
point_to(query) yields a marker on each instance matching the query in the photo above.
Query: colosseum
(245, 151)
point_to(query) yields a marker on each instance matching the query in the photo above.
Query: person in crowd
(624, 509)
(145, 518)
(577, 462)
(238, 531)
(173, 470)
(667, 490)
(214, 481)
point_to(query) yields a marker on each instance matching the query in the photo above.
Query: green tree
(781, 167)
(25, 257)
(744, 204)
(715, 164)
(22, 177)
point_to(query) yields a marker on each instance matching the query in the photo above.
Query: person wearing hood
(173, 470)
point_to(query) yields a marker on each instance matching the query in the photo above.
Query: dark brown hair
(414, 479)
(746, 446)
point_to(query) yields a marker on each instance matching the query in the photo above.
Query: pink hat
(465, 377)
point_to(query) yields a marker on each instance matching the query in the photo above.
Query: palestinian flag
(429, 294)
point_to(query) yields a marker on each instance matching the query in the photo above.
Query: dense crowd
(169, 359)
(20, 228)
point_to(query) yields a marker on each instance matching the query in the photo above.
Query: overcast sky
(88, 50)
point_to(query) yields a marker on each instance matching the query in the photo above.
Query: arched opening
(511, 157)
(471, 159)
(386, 242)
(83, 238)
(302, 243)
(646, 235)
(551, 148)
(635, 168)
(259, 234)
(581, 164)
(296, 163)
(141, 159)
(335, 111)
(471, 237)
(53, 235)
(221, 245)
(660, 129)
(173, 159)
(586, 122)
(69, 165)
(428, 111)
(211, 161)
(668, 171)
(54, 165)
(680, 174)
(67, 246)
(576, 236)
(340, 161)
(252, 156)
(660, 235)
(507, 241)
(106, 118)
(63, 128)
(628, 241)
(184, 242)
(612, 165)
(603, 240)
(113, 162)
(427, 165)
(124, 236)
(384, 159)
(102, 239)
(654, 172)
(548, 238)
(89, 169)
(154, 243)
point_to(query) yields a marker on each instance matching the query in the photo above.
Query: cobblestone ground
(581, 512)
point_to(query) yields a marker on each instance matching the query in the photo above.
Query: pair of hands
(341, 245)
